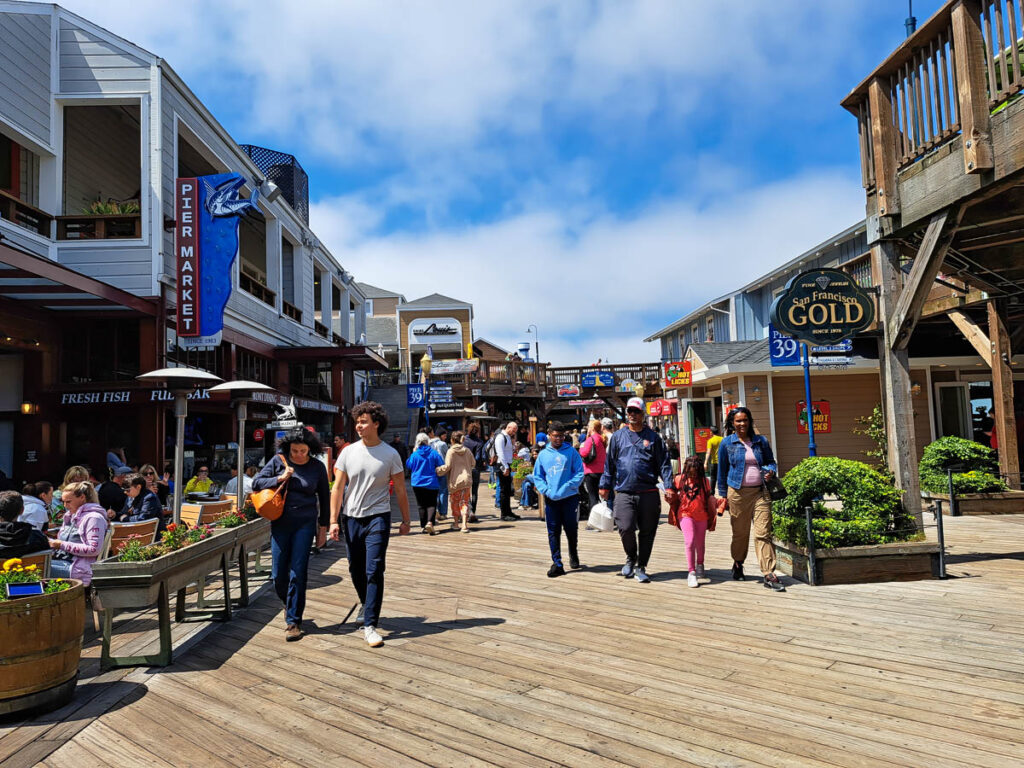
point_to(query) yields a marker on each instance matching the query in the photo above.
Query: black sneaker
(771, 581)
(574, 562)
(737, 572)
(555, 570)
(510, 518)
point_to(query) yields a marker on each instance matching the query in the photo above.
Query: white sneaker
(373, 638)
(691, 580)
(700, 572)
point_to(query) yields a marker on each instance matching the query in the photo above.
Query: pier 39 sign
(822, 306)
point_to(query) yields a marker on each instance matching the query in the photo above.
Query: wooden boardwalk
(488, 662)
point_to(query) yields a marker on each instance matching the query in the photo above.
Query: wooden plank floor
(488, 662)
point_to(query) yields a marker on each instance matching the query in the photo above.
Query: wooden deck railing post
(971, 60)
(1002, 396)
(883, 139)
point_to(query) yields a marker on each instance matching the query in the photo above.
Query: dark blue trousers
(559, 515)
(290, 542)
(367, 542)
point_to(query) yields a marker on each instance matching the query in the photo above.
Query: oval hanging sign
(822, 306)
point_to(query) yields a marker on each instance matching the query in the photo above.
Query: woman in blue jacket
(557, 476)
(745, 461)
(142, 504)
(423, 463)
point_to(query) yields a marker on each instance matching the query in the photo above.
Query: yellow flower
(10, 564)
(31, 568)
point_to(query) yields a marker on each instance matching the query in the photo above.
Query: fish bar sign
(821, 307)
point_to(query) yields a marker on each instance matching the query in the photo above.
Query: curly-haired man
(362, 476)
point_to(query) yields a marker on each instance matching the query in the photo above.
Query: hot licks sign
(186, 246)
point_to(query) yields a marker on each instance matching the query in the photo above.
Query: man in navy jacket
(636, 459)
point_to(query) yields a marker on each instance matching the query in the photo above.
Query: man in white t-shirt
(363, 474)
(504, 449)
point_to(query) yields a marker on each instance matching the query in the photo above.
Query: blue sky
(596, 168)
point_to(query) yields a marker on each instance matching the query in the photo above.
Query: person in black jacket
(307, 505)
(17, 539)
(142, 504)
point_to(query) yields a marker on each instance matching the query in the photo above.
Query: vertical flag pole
(812, 449)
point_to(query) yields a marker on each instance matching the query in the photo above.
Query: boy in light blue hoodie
(557, 476)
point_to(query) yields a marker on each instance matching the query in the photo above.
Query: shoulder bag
(590, 455)
(776, 490)
(270, 503)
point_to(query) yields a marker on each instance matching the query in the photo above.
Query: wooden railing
(24, 215)
(290, 310)
(641, 373)
(321, 329)
(336, 338)
(254, 288)
(943, 81)
(96, 227)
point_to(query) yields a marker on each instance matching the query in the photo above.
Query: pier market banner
(207, 209)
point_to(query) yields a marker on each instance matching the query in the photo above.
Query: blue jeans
(497, 486)
(442, 496)
(559, 515)
(367, 541)
(529, 496)
(290, 542)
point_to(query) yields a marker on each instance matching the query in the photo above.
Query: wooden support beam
(971, 56)
(934, 307)
(1002, 397)
(912, 295)
(973, 334)
(894, 367)
(883, 141)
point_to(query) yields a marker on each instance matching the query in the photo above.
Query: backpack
(490, 453)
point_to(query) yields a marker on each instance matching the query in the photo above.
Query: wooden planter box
(42, 645)
(902, 561)
(1002, 503)
(120, 586)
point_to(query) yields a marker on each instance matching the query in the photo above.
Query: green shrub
(872, 511)
(979, 465)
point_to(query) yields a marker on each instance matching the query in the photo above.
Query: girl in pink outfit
(81, 535)
(595, 447)
(690, 512)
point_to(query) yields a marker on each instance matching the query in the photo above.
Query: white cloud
(597, 286)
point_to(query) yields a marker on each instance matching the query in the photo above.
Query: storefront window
(100, 350)
(216, 361)
(312, 380)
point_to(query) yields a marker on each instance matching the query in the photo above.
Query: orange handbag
(270, 503)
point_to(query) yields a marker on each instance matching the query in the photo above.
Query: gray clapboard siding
(19, 238)
(101, 155)
(89, 64)
(25, 64)
(126, 267)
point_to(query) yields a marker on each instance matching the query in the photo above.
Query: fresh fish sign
(207, 209)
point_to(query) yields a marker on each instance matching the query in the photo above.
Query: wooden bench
(41, 560)
(201, 514)
(122, 533)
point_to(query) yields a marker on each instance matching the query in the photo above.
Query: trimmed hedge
(979, 467)
(872, 510)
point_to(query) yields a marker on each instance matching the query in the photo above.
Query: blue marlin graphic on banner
(208, 209)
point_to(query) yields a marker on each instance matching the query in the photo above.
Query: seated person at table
(37, 498)
(17, 539)
(201, 482)
(80, 541)
(142, 504)
(231, 489)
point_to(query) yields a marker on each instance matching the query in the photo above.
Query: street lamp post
(181, 382)
(536, 342)
(241, 393)
(425, 365)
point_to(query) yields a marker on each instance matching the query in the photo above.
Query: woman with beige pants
(745, 460)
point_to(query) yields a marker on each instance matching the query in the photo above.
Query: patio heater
(241, 393)
(181, 382)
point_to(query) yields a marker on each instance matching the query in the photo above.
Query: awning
(356, 357)
(48, 285)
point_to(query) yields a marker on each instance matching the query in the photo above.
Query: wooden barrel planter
(42, 645)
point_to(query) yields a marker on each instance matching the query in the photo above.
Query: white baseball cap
(635, 402)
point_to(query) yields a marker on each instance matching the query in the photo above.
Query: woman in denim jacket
(745, 460)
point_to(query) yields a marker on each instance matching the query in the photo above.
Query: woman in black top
(306, 506)
(474, 445)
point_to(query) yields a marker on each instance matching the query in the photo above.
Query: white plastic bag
(601, 517)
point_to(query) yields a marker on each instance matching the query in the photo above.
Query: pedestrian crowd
(629, 468)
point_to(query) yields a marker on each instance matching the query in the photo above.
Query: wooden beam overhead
(973, 334)
(918, 285)
(934, 307)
